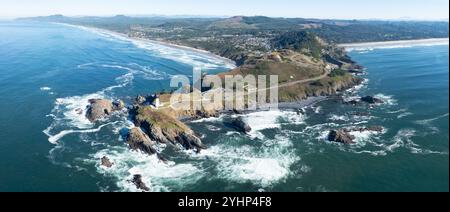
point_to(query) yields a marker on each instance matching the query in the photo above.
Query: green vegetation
(159, 119)
(299, 41)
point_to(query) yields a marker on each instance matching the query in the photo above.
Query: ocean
(50, 70)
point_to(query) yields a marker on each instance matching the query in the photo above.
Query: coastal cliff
(164, 128)
(306, 66)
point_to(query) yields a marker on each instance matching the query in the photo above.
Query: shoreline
(228, 62)
(395, 44)
(298, 104)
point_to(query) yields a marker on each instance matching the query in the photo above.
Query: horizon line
(223, 16)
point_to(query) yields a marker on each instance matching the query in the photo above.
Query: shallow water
(49, 70)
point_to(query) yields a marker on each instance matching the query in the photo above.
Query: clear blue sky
(346, 9)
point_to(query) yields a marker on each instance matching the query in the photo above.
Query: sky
(332, 9)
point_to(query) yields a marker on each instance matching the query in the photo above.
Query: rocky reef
(101, 108)
(241, 125)
(344, 135)
(105, 162)
(371, 100)
(367, 99)
(165, 128)
(138, 140)
(137, 181)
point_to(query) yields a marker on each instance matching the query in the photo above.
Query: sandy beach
(395, 44)
(226, 61)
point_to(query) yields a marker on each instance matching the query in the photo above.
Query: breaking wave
(180, 54)
(368, 47)
(263, 166)
(158, 176)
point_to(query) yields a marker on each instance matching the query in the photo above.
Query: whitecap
(264, 166)
(338, 118)
(318, 109)
(45, 88)
(357, 88)
(157, 175)
(272, 119)
(397, 111)
(428, 121)
(364, 47)
(389, 100)
(69, 113)
(404, 115)
(361, 138)
(55, 138)
(404, 139)
(184, 55)
(213, 128)
(210, 119)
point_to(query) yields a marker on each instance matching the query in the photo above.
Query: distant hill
(336, 31)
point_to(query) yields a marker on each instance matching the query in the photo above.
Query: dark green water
(48, 71)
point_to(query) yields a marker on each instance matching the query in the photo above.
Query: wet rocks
(118, 105)
(241, 125)
(344, 136)
(106, 162)
(341, 136)
(371, 100)
(352, 102)
(152, 100)
(378, 129)
(137, 181)
(140, 100)
(367, 99)
(101, 108)
(164, 128)
(79, 111)
(138, 140)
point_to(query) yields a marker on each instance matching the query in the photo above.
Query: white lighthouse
(156, 102)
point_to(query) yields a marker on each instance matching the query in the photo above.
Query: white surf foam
(183, 56)
(157, 175)
(357, 88)
(403, 115)
(45, 89)
(69, 116)
(136, 69)
(213, 128)
(388, 100)
(362, 138)
(211, 119)
(367, 47)
(404, 139)
(338, 118)
(69, 113)
(428, 121)
(273, 119)
(55, 138)
(179, 54)
(317, 110)
(263, 166)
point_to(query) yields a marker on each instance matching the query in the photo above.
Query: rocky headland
(303, 74)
